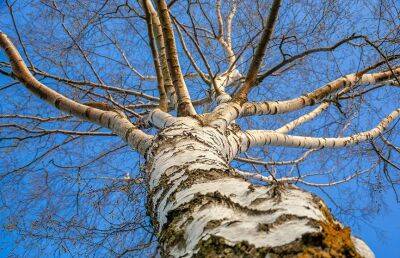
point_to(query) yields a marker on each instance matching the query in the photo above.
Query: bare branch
(188, 54)
(279, 107)
(106, 87)
(256, 62)
(253, 138)
(185, 106)
(112, 120)
(294, 58)
(301, 180)
(277, 163)
(160, 42)
(163, 104)
(304, 118)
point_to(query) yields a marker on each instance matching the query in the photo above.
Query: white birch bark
(200, 207)
(279, 107)
(253, 138)
(223, 81)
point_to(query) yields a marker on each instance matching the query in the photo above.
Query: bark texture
(201, 208)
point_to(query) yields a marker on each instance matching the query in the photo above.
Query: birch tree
(205, 96)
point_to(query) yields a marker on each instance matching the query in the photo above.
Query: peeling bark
(201, 208)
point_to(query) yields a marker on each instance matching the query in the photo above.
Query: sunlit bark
(201, 207)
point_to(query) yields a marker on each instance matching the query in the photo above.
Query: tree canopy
(314, 74)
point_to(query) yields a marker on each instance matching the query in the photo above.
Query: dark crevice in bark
(199, 202)
(267, 227)
(332, 241)
(193, 177)
(309, 245)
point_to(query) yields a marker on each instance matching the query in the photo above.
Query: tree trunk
(200, 208)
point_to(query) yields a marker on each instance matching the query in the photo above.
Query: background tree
(230, 106)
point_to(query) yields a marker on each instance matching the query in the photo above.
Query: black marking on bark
(255, 109)
(172, 237)
(269, 140)
(151, 117)
(216, 246)
(268, 107)
(384, 77)
(282, 219)
(57, 102)
(108, 122)
(259, 200)
(237, 110)
(303, 101)
(251, 188)
(128, 132)
(35, 89)
(87, 112)
(230, 223)
(275, 110)
(101, 116)
(213, 224)
(197, 177)
(164, 181)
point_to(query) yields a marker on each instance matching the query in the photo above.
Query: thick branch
(309, 116)
(253, 138)
(278, 107)
(120, 125)
(185, 106)
(259, 55)
(163, 104)
(160, 119)
(159, 39)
